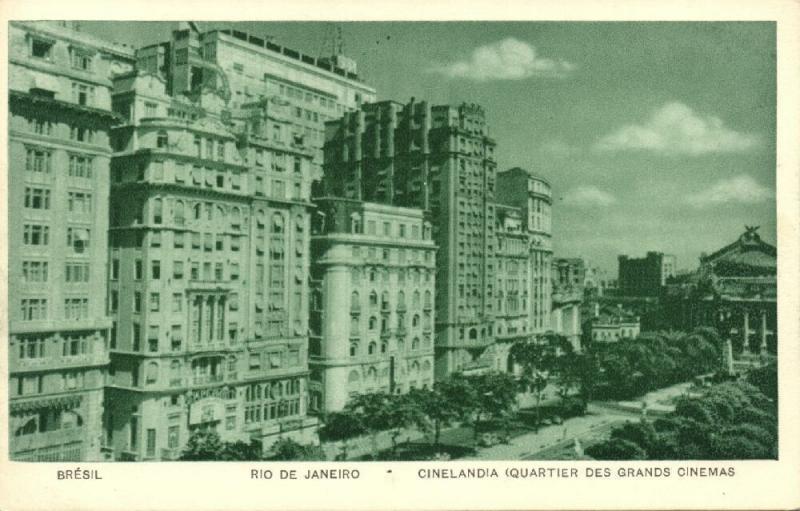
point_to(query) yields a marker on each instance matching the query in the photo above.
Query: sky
(654, 136)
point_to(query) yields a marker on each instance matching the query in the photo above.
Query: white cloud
(509, 59)
(589, 196)
(677, 129)
(741, 189)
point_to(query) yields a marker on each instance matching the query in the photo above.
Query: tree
(450, 400)
(341, 426)
(290, 450)
(374, 411)
(403, 411)
(616, 449)
(538, 361)
(766, 380)
(497, 394)
(206, 445)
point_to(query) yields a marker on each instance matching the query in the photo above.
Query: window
(137, 301)
(34, 271)
(177, 302)
(80, 166)
(41, 48)
(177, 270)
(34, 309)
(113, 301)
(137, 270)
(38, 160)
(114, 269)
(31, 347)
(150, 110)
(78, 239)
(81, 59)
(34, 234)
(162, 140)
(76, 308)
(83, 94)
(76, 272)
(79, 202)
(37, 198)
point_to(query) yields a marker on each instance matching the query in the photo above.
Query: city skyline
(690, 139)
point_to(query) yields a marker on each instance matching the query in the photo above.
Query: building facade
(59, 120)
(569, 276)
(209, 256)
(372, 317)
(645, 276)
(439, 159)
(252, 67)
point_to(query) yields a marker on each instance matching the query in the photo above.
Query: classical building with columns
(734, 290)
(372, 314)
(568, 289)
(58, 125)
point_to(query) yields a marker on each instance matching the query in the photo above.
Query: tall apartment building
(439, 159)
(59, 119)
(532, 195)
(253, 67)
(209, 255)
(523, 256)
(372, 321)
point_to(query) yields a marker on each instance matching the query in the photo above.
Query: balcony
(207, 379)
(51, 363)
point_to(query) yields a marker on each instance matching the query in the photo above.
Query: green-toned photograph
(361, 241)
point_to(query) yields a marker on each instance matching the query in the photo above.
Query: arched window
(277, 223)
(222, 221)
(384, 347)
(371, 348)
(198, 211)
(415, 321)
(178, 213)
(162, 140)
(401, 345)
(353, 378)
(158, 210)
(373, 323)
(385, 301)
(355, 304)
(354, 325)
(151, 372)
(236, 218)
(415, 300)
(175, 371)
(353, 349)
(427, 299)
(473, 334)
(426, 367)
(373, 299)
(415, 344)
(372, 374)
(414, 369)
(401, 300)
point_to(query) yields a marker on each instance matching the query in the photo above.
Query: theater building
(372, 315)
(59, 119)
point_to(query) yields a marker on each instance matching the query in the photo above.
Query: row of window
(36, 309)
(78, 238)
(40, 160)
(39, 198)
(31, 347)
(38, 271)
(42, 48)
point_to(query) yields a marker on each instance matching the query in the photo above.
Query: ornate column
(746, 330)
(763, 331)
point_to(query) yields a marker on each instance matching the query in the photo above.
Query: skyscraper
(439, 159)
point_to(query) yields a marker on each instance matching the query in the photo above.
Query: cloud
(741, 189)
(589, 196)
(677, 129)
(558, 148)
(509, 59)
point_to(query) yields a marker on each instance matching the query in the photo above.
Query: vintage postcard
(335, 256)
